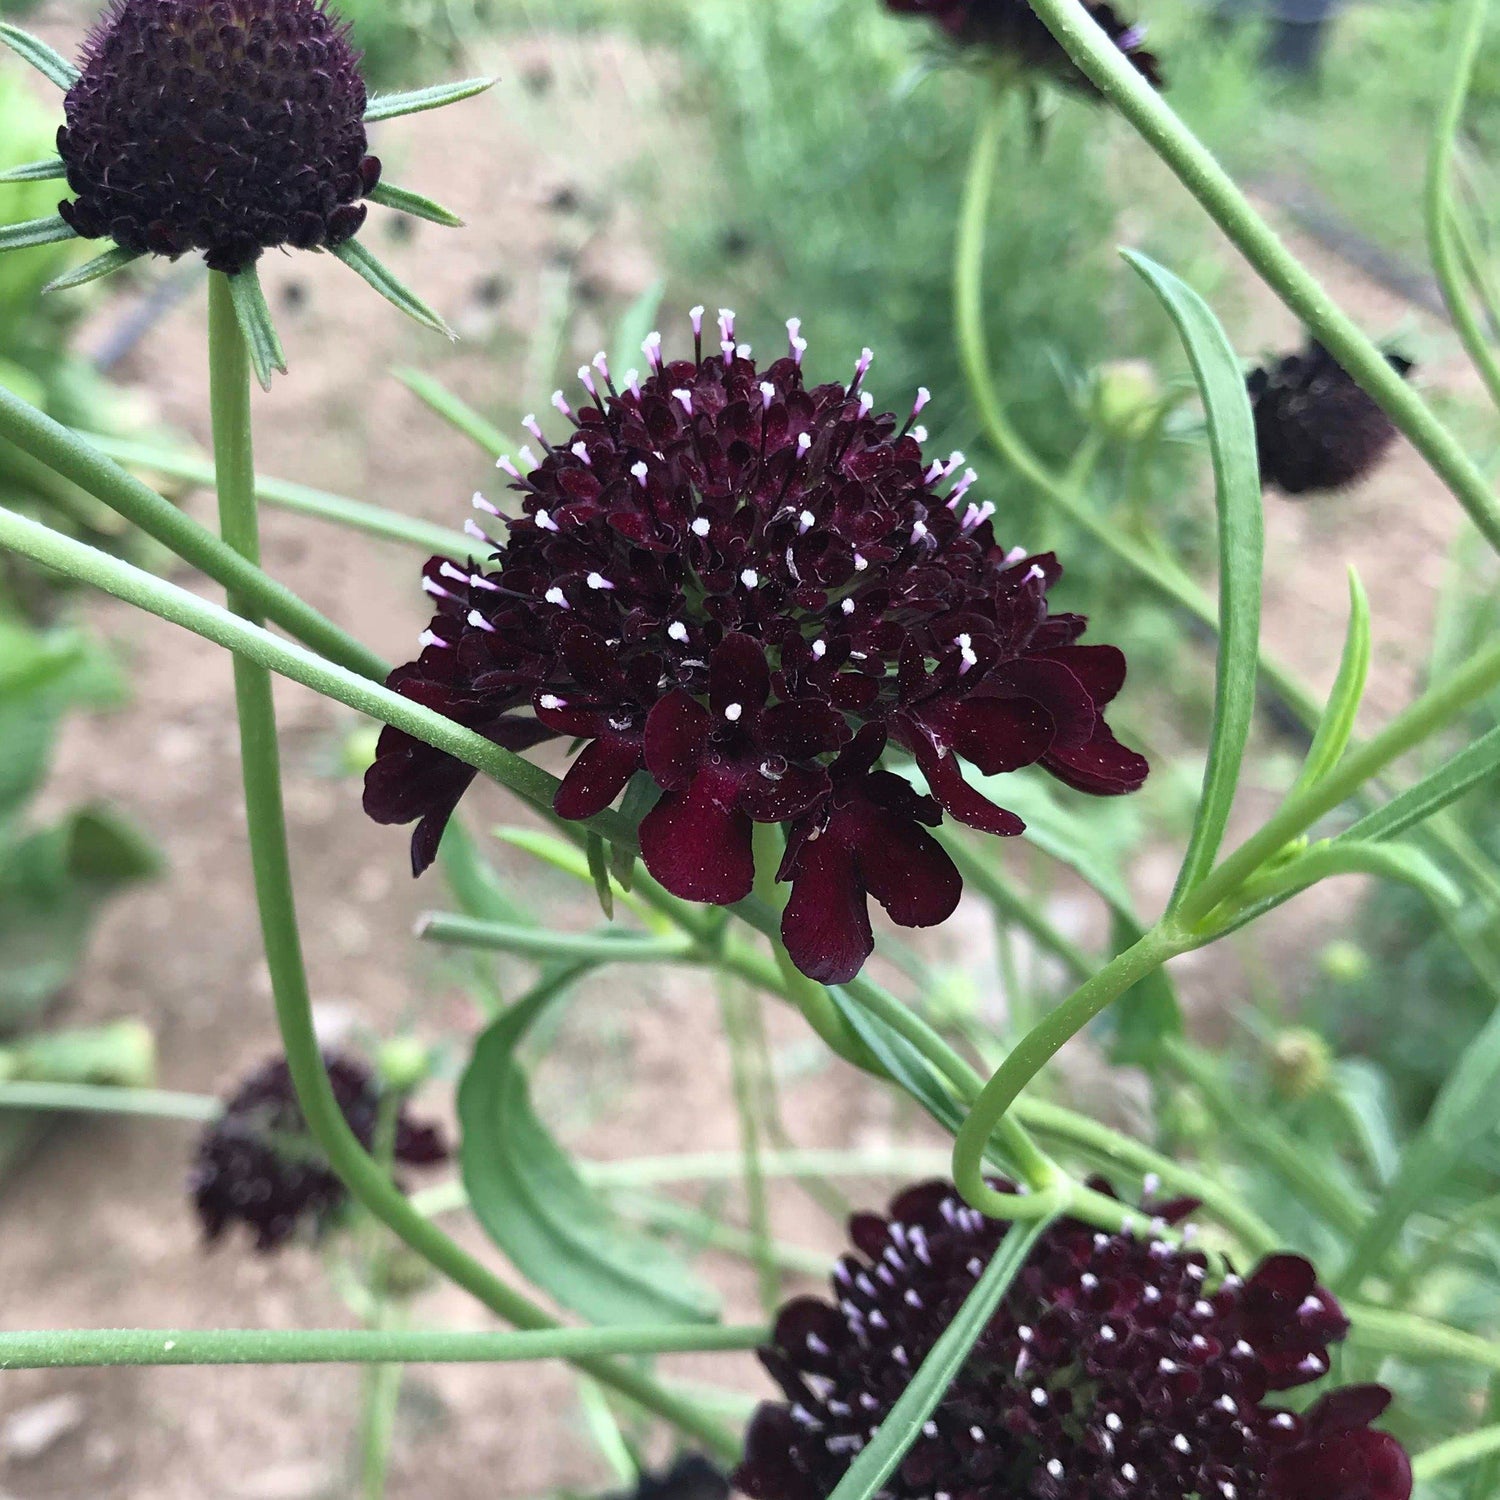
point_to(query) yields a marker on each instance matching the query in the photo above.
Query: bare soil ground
(95, 1231)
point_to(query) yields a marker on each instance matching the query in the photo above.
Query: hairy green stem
(539, 942)
(1198, 171)
(229, 367)
(1468, 33)
(104, 1099)
(58, 1349)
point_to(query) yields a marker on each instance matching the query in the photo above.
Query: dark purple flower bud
(1115, 1368)
(750, 590)
(1013, 31)
(227, 126)
(1315, 429)
(257, 1164)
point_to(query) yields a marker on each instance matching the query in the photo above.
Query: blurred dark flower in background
(691, 1476)
(1013, 31)
(229, 127)
(1315, 429)
(748, 588)
(1115, 1369)
(257, 1164)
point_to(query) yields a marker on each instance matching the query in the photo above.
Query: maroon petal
(1101, 669)
(738, 674)
(1103, 767)
(777, 792)
(958, 797)
(1004, 734)
(597, 777)
(698, 846)
(676, 731)
(826, 924)
(906, 870)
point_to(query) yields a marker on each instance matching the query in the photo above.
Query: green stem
(1456, 1453)
(229, 368)
(1412, 1337)
(1037, 1048)
(99, 1348)
(301, 499)
(1435, 709)
(380, 1396)
(181, 607)
(1468, 33)
(64, 452)
(538, 942)
(1195, 167)
(89, 1098)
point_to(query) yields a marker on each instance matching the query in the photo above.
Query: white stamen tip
(543, 518)
(598, 581)
(580, 450)
(555, 595)
(767, 394)
(551, 700)
(700, 526)
(428, 638)
(750, 578)
(866, 403)
(474, 529)
(919, 433)
(734, 712)
(530, 423)
(685, 399)
(678, 632)
(804, 442)
(820, 649)
(479, 622)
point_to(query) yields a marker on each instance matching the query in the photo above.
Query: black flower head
(1116, 1368)
(227, 126)
(691, 1476)
(1012, 30)
(751, 590)
(258, 1165)
(1315, 429)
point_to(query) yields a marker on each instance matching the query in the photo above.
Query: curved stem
(60, 1349)
(105, 1099)
(229, 366)
(1038, 1047)
(1413, 1337)
(1195, 167)
(1468, 33)
(1456, 1453)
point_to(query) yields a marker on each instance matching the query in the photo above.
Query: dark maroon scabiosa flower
(1116, 1368)
(1012, 30)
(257, 1164)
(227, 126)
(1315, 429)
(749, 589)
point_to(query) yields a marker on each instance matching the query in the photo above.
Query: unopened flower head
(1115, 1368)
(258, 1165)
(753, 597)
(1012, 32)
(1315, 428)
(226, 126)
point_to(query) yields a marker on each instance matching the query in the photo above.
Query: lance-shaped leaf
(33, 232)
(407, 202)
(48, 62)
(93, 270)
(1336, 727)
(1231, 440)
(533, 1203)
(37, 171)
(389, 106)
(598, 857)
(1431, 794)
(254, 317)
(355, 256)
(457, 413)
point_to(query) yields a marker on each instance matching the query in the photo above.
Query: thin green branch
(102, 1099)
(1409, 1336)
(1468, 34)
(1195, 167)
(302, 499)
(59, 1349)
(540, 942)
(1456, 1453)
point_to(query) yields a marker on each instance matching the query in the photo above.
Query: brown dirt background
(94, 1230)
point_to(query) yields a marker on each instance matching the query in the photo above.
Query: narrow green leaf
(1231, 440)
(254, 317)
(532, 1202)
(389, 106)
(34, 232)
(1431, 794)
(598, 857)
(48, 62)
(528, 940)
(903, 1426)
(37, 171)
(456, 413)
(630, 332)
(641, 794)
(906, 1066)
(1336, 727)
(403, 201)
(357, 258)
(93, 270)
